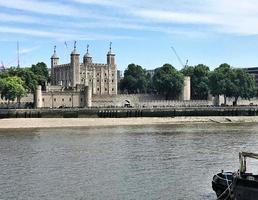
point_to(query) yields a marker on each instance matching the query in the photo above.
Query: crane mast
(179, 59)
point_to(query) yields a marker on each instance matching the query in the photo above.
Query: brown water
(142, 162)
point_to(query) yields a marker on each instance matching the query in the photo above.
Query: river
(130, 162)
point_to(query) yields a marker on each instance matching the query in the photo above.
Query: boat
(238, 185)
(221, 184)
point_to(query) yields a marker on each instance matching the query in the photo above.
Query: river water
(137, 162)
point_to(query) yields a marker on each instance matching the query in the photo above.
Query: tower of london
(100, 78)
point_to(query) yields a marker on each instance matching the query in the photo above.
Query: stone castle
(87, 84)
(74, 84)
(101, 78)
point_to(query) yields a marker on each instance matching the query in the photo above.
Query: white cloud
(223, 16)
(18, 18)
(63, 36)
(43, 7)
(28, 50)
(175, 17)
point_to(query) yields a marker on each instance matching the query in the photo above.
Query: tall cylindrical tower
(75, 67)
(38, 99)
(112, 71)
(87, 59)
(110, 56)
(187, 89)
(54, 62)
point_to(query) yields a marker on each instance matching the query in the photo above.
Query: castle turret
(186, 93)
(110, 56)
(87, 59)
(75, 67)
(112, 72)
(54, 62)
(38, 99)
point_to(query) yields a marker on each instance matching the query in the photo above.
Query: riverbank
(100, 122)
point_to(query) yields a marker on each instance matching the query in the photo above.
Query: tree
(41, 71)
(244, 85)
(12, 88)
(150, 86)
(168, 81)
(199, 81)
(230, 82)
(220, 81)
(135, 80)
(30, 80)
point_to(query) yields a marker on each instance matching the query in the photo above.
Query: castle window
(62, 99)
(97, 74)
(70, 99)
(112, 74)
(105, 80)
(54, 99)
(97, 80)
(81, 99)
(90, 80)
(105, 74)
(98, 89)
(105, 89)
(112, 80)
(43, 99)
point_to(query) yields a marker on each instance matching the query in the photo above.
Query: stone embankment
(129, 112)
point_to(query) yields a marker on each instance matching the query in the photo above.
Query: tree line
(224, 80)
(15, 83)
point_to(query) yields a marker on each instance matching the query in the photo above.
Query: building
(101, 78)
(74, 84)
(253, 71)
(151, 72)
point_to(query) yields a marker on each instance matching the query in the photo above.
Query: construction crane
(179, 59)
(2, 68)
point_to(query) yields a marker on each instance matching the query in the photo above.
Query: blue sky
(203, 31)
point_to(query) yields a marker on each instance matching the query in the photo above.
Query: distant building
(119, 76)
(73, 84)
(253, 71)
(2, 68)
(150, 72)
(101, 78)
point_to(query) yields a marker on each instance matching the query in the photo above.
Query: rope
(228, 189)
(225, 192)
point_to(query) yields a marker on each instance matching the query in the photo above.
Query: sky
(209, 32)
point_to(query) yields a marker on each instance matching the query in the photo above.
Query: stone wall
(63, 99)
(240, 102)
(25, 101)
(143, 100)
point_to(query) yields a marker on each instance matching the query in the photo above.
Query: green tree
(244, 85)
(41, 71)
(220, 81)
(230, 82)
(12, 88)
(135, 80)
(199, 81)
(150, 86)
(30, 80)
(168, 81)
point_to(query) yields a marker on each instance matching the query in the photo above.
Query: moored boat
(239, 185)
(221, 184)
